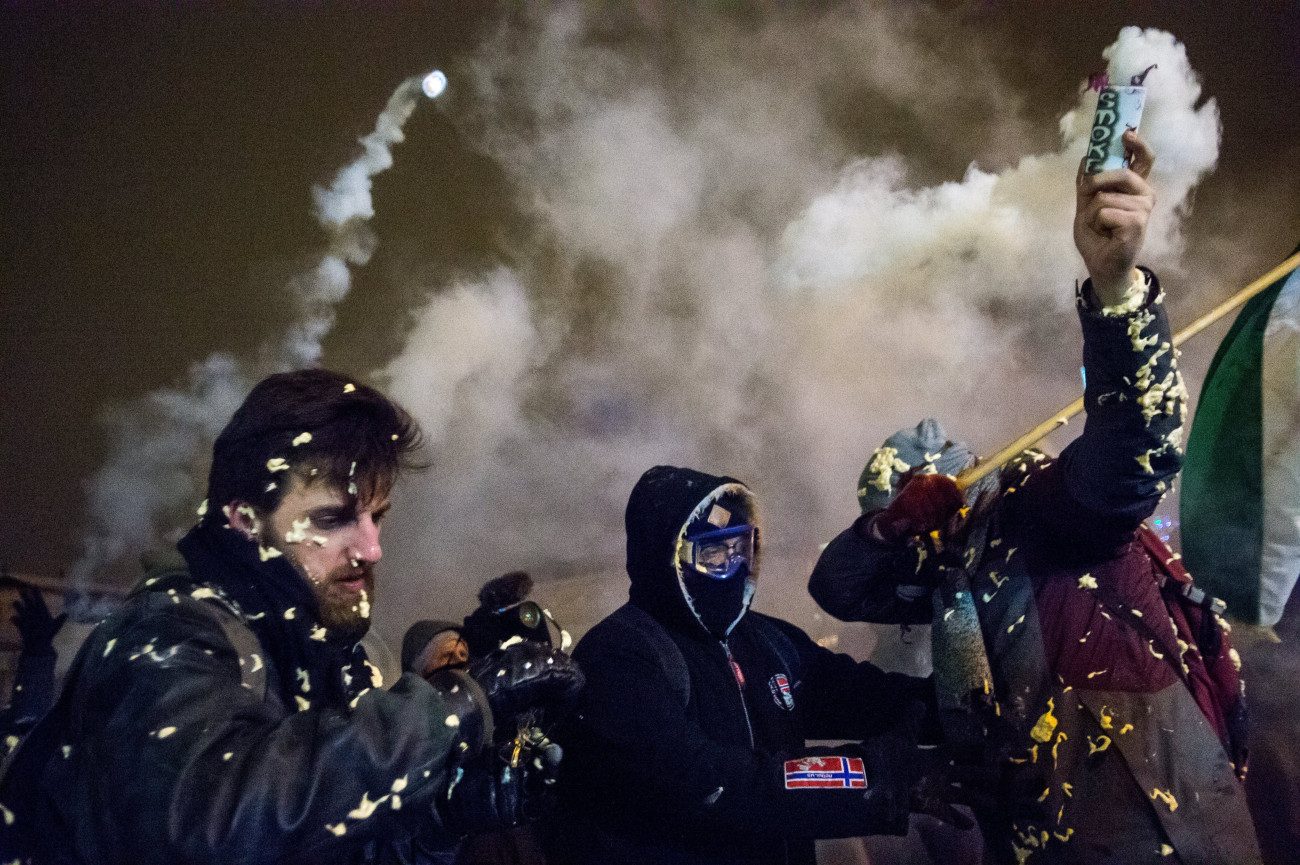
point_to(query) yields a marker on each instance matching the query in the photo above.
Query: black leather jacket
(161, 750)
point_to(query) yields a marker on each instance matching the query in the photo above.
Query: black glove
(903, 777)
(469, 705)
(502, 787)
(527, 676)
(35, 624)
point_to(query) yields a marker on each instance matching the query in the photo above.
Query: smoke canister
(1118, 108)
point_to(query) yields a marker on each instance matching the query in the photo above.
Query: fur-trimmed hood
(664, 502)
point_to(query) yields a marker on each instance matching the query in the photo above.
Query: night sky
(157, 166)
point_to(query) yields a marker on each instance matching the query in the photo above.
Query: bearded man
(228, 713)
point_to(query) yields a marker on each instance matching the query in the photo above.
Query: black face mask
(717, 603)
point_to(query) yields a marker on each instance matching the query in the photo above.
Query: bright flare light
(433, 84)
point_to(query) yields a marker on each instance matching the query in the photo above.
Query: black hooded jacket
(675, 757)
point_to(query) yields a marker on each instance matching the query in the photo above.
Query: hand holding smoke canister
(1118, 108)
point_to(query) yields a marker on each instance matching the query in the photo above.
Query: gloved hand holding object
(904, 777)
(501, 787)
(925, 503)
(526, 676)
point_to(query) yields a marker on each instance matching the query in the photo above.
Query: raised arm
(1129, 451)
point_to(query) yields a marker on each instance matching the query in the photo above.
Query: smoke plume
(719, 274)
(160, 443)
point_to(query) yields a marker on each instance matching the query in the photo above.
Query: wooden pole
(1062, 417)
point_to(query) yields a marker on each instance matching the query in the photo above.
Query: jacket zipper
(731, 664)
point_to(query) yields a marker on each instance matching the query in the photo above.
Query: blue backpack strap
(637, 620)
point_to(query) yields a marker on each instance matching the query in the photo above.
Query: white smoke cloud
(159, 445)
(716, 278)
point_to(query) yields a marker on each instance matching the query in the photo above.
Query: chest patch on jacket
(780, 687)
(825, 773)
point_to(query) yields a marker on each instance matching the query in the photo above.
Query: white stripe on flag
(1280, 383)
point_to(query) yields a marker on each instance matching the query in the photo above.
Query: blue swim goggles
(719, 554)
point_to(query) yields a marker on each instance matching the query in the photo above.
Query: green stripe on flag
(1222, 498)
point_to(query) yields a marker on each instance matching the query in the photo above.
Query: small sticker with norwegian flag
(780, 686)
(825, 773)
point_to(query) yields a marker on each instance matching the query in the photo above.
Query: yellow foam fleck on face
(364, 608)
(277, 464)
(298, 533)
(302, 439)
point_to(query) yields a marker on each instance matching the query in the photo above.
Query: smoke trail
(722, 273)
(159, 444)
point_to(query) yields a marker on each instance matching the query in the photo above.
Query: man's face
(333, 542)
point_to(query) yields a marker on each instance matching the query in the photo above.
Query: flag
(1240, 500)
(825, 773)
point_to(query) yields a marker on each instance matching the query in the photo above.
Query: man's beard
(343, 611)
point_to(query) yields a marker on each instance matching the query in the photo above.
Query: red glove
(925, 504)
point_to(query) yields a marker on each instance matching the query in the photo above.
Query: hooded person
(1107, 699)
(431, 645)
(689, 743)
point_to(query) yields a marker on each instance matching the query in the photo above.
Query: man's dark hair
(321, 426)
